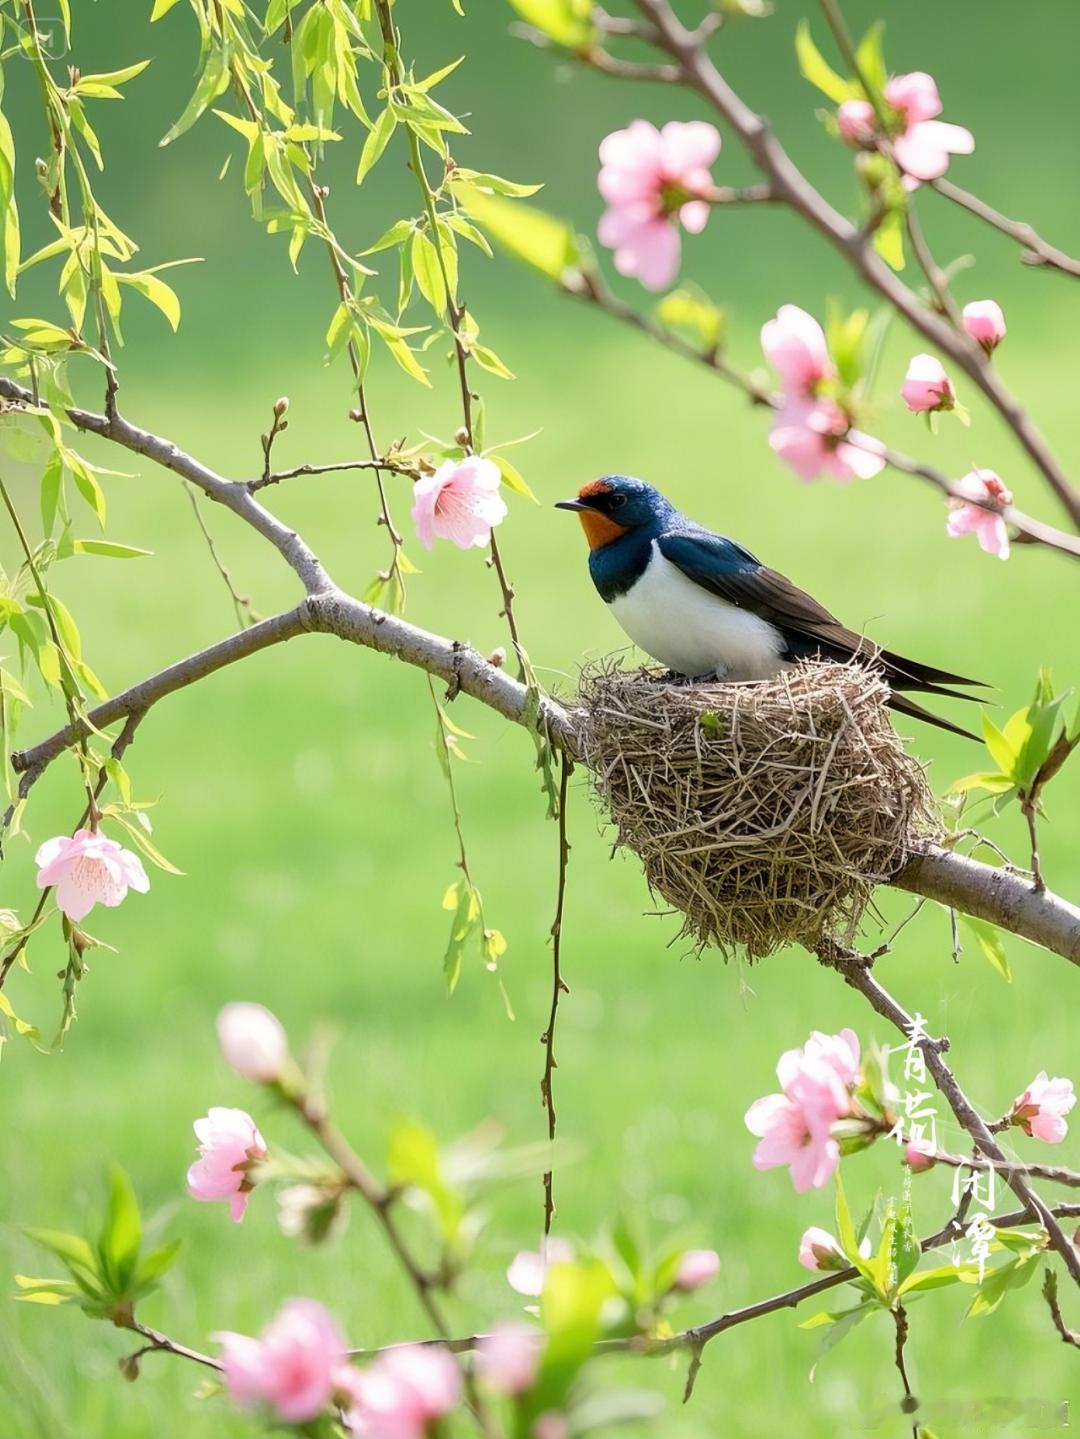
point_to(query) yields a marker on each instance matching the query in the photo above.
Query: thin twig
(559, 987)
(1037, 251)
(245, 614)
(909, 1403)
(1050, 1294)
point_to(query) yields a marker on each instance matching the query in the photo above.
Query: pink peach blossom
(794, 1128)
(696, 1268)
(794, 344)
(290, 1367)
(402, 1393)
(841, 1052)
(926, 385)
(507, 1359)
(88, 869)
(988, 527)
(921, 143)
(653, 181)
(459, 502)
(819, 1250)
(815, 437)
(528, 1268)
(229, 1144)
(923, 149)
(1040, 1111)
(984, 320)
(252, 1041)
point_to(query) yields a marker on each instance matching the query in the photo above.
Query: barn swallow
(708, 609)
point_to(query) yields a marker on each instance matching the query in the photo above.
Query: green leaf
(87, 485)
(154, 1265)
(689, 309)
(566, 22)
(1013, 1275)
(939, 1278)
(425, 264)
(213, 81)
(988, 937)
(108, 547)
(512, 478)
(121, 1233)
(51, 477)
(870, 56)
(889, 239)
(529, 234)
(157, 292)
(161, 7)
(376, 142)
(1002, 751)
(814, 67)
(493, 184)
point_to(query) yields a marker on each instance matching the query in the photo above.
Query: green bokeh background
(300, 794)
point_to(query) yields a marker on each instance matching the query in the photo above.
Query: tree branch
(791, 186)
(1004, 898)
(999, 895)
(587, 285)
(1038, 252)
(856, 971)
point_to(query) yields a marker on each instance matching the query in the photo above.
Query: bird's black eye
(616, 502)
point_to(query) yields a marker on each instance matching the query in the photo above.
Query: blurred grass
(300, 795)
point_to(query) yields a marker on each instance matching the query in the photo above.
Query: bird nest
(765, 813)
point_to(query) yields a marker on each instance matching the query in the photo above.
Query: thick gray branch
(1000, 896)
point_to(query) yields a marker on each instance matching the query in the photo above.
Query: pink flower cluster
(88, 869)
(795, 1127)
(812, 432)
(987, 526)
(653, 181)
(921, 143)
(298, 1365)
(1040, 1111)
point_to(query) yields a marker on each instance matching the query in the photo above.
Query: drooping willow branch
(1001, 896)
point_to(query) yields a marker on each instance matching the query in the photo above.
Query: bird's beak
(571, 505)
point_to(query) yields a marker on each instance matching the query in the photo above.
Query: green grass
(300, 794)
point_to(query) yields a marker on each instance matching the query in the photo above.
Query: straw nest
(765, 813)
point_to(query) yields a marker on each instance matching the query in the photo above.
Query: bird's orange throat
(599, 529)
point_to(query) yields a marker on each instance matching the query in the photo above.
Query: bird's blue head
(615, 505)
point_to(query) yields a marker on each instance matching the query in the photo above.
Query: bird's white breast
(694, 632)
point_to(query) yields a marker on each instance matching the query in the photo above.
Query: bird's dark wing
(733, 575)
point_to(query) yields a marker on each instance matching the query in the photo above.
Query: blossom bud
(984, 321)
(696, 1267)
(919, 1156)
(497, 657)
(252, 1042)
(280, 406)
(461, 435)
(926, 386)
